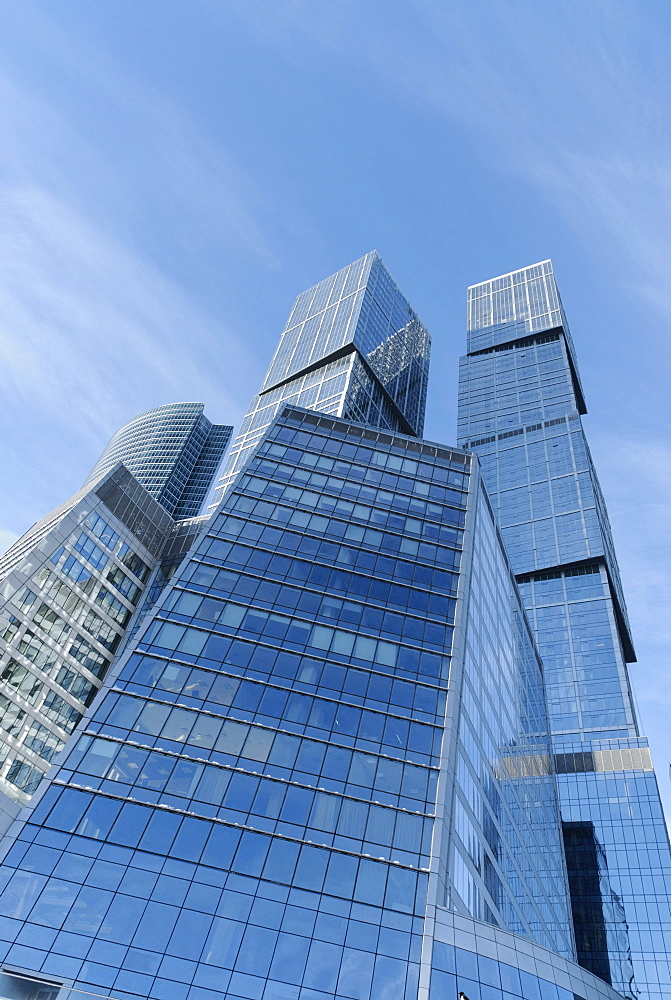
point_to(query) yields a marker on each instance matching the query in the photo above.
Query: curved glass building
(173, 451)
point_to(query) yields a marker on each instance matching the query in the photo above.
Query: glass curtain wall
(321, 770)
(174, 451)
(249, 810)
(352, 347)
(520, 408)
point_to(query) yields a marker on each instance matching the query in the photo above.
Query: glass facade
(66, 598)
(83, 579)
(322, 767)
(599, 920)
(520, 406)
(505, 862)
(352, 347)
(333, 725)
(470, 959)
(173, 451)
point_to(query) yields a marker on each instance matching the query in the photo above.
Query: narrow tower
(520, 408)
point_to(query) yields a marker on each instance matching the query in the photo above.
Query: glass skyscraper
(520, 407)
(68, 590)
(323, 771)
(71, 585)
(174, 451)
(352, 347)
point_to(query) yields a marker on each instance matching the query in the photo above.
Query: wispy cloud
(570, 99)
(83, 319)
(123, 222)
(640, 510)
(107, 131)
(567, 96)
(90, 333)
(97, 320)
(560, 95)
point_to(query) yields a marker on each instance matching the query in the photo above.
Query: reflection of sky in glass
(251, 805)
(504, 868)
(173, 451)
(520, 407)
(352, 347)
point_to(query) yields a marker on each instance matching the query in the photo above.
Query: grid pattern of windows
(517, 305)
(322, 389)
(520, 406)
(323, 320)
(543, 484)
(249, 811)
(576, 633)
(70, 620)
(361, 307)
(626, 814)
(528, 296)
(502, 869)
(462, 972)
(452, 972)
(514, 387)
(173, 451)
(352, 347)
(599, 921)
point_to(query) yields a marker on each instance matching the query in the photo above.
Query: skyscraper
(69, 587)
(323, 772)
(174, 451)
(520, 407)
(352, 347)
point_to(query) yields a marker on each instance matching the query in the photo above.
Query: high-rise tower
(70, 586)
(174, 451)
(324, 771)
(520, 407)
(352, 347)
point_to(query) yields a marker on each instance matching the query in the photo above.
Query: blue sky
(172, 174)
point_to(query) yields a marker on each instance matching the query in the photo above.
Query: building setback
(323, 770)
(520, 407)
(352, 347)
